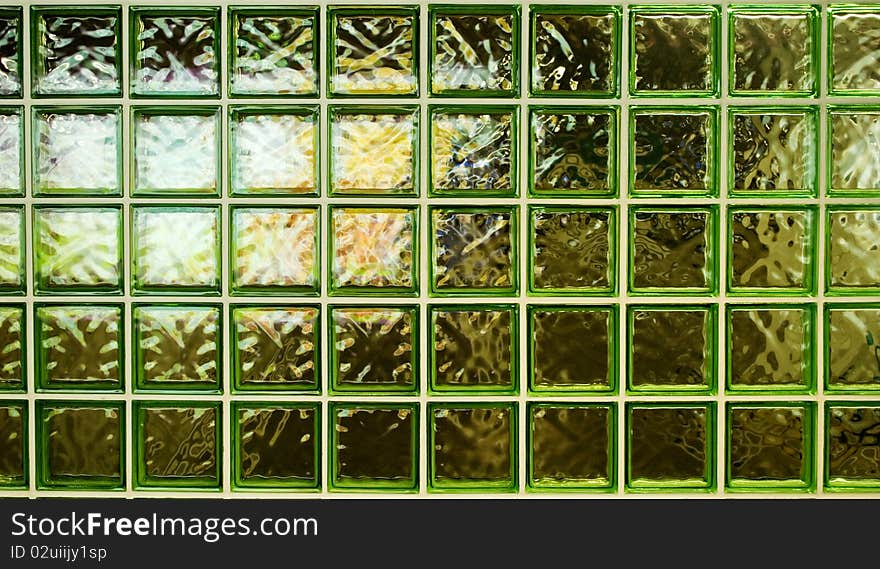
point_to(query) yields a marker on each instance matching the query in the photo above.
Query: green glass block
(575, 50)
(774, 51)
(374, 447)
(275, 348)
(852, 447)
(474, 50)
(853, 157)
(474, 251)
(374, 250)
(78, 249)
(274, 250)
(14, 342)
(374, 349)
(373, 51)
(771, 250)
(573, 151)
(76, 51)
(852, 251)
(177, 347)
(770, 348)
(12, 250)
(175, 250)
(175, 51)
(572, 349)
(14, 447)
(77, 151)
(177, 445)
(474, 349)
(672, 251)
(79, 347)
(273, 151)
(176, 151)
(770, 446)
(374, 150)
(273, 52)
(12, 171)
(851, 362)
(473, 447)
(474, 151)
(670, 447)
(572, 250)
(276, 446)
(572, 447)
(673, 151)
(773, 151)
(11, 52)
(853, 50)
(672, 349)
(674, 51)
(81, 445)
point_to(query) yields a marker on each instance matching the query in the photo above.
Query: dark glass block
(853, 446)
(277, 446)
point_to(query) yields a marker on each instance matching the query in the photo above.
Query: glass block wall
(431, 249)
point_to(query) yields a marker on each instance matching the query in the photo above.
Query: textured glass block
(177, 347)
(77, 51)
(473, 151)
(573, 348)
(573, 151)
(473, 447)
(81, 445)
(12, 355)
(674, 151)
(79, 347)
(177, 444)
(852, 446)
(771, 250)
(176, 151)
(274, 250)
(474, 349)
(854, 57)
(674, 50)
(770, 446)
(12, 249)
(572, 250)
(13, 444)
(670, 447)
(276, 446)
(851, 335)
(374, 250)
(672, 250)
(273, 51)
(374, 349)
(176, 250)
(671, 348)
(374, 447)
(773, 151)
(175, 51)
(854, 151)
(853, 253)
(78, 249)
(575, 50)
(374, 150)
(78, 151)
(475, 50)
(473, 251)
(11, 144)
(572, 447)
(11, 52)
(274, 150)
(774, 51)
(374, 51)
(770, 348)
(275, 348)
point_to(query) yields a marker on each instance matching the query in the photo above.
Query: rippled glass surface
(767, 445)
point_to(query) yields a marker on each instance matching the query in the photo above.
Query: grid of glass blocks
(597, 247)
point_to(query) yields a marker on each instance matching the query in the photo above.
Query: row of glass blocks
(473, 51)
